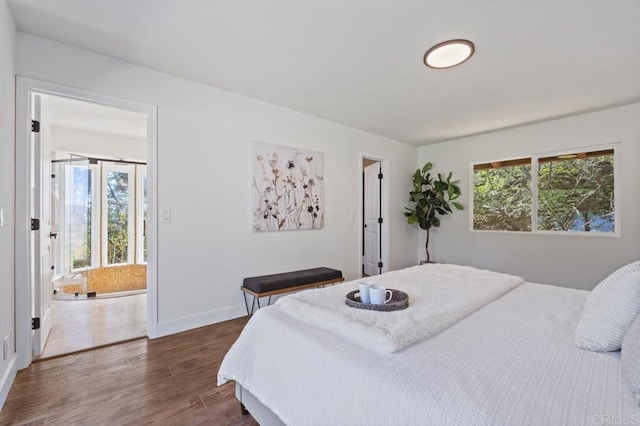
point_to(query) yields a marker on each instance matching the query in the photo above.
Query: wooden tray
(399, 300)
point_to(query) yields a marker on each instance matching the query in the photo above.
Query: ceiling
(359, 62)
(75, 114)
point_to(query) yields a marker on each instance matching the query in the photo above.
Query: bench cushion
(290, 279)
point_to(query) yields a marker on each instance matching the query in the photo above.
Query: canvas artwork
(288, 188)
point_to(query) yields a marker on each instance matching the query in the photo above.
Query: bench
(271, 285)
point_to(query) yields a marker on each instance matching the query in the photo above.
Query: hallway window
(118, 224)
(99, 214)
(76, 242)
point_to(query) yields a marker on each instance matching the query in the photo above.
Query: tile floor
(83, 324)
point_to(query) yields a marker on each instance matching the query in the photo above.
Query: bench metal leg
(254, 300)
(246, 305)
(253, 304)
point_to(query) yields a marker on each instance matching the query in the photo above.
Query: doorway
(375, 209)
(81, 186)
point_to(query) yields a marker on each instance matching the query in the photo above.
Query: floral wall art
(288, 188)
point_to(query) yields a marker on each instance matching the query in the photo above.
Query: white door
(371, 215)
(41, 262)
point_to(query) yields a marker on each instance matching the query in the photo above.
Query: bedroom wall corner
(569, 261)
(7, 155)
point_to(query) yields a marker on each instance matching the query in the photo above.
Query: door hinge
(53, 176)
(35, 224)
(35, 126)
(53, 268)
(35, 323)
(380, 220)
(380, 265)
(380, 176)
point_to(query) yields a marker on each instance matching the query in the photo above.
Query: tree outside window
(502, 196)
(575, 192)
(117, 217)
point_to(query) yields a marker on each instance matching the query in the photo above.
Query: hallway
(88, 323)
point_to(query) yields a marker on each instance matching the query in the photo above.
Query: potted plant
(432, 198)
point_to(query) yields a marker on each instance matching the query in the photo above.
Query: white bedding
(440, 296)
(511, 362)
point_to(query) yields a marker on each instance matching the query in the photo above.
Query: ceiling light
(449, 53)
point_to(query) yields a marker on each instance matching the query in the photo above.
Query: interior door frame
(385, 211)
(371, 187)
(25, 88)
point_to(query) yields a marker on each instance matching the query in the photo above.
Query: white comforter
(511, 362)
(439, 295)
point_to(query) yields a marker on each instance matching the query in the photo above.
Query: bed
(509, 360)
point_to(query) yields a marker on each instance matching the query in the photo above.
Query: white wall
(571, 261)
(7, 108)
(204, 150)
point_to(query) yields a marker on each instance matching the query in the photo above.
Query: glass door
(73, 201)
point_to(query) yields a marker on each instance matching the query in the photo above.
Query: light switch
(165, 216)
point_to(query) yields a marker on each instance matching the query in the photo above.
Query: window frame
(617, 149)
(140, 173)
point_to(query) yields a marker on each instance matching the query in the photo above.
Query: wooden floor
(88, 323)
(167, 381)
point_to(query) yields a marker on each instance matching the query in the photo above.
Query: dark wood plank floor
(171, 380)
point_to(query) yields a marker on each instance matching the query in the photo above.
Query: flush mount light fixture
(449, 53)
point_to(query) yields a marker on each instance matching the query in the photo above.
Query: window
(502, 196)
(567, 192)
(98, 212)
(576, 192)
(118, 211)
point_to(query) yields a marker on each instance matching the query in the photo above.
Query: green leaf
(426, 167)
(451, 191)
(458, 205)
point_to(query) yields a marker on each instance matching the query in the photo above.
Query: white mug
(364, 292)
(380, 295)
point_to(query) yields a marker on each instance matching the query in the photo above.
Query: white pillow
(609, 311)
(631, 357)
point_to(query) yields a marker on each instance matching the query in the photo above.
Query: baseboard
(7, 380)
(166, 328)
